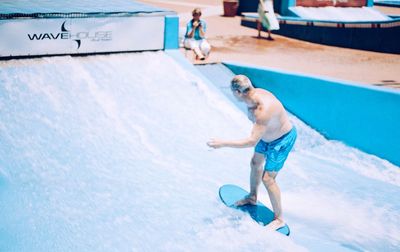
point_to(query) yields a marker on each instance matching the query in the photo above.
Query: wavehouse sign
(78, 37)
(26, 37)
(336, 3)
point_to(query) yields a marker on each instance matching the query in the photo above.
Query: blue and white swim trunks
(277, 151)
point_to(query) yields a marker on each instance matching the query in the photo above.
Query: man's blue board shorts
(277, 151)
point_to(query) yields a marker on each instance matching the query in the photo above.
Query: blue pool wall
(171, 32)
(362, 116)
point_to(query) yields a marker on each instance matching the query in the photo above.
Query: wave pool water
(108, 153)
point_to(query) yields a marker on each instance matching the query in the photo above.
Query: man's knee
(268, 180)
(256, 162)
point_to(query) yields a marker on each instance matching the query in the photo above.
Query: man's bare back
(267, 106)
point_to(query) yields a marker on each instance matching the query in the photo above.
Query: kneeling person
(195, 36)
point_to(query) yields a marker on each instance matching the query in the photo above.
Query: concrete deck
(232, 42)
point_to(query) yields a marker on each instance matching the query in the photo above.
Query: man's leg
(256, 164)
(274, 193)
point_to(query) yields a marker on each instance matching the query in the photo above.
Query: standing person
(273, 137)
(195, 37)
(267, 18)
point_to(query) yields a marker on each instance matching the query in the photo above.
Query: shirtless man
(273, 137)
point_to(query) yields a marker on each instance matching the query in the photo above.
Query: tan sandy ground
(232, 42)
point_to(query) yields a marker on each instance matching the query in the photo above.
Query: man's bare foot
(248, 200)
(276, 224)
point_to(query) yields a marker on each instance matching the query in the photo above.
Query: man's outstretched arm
(256, 134)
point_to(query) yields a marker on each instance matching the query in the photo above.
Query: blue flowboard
(230, 194)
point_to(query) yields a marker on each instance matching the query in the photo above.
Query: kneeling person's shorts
(277, 151)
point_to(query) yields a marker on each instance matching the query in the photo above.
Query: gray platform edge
(221, 76)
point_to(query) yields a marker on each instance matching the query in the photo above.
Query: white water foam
(108, 153)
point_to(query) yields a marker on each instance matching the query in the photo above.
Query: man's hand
(215, 143)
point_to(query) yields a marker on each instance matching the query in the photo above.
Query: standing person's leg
(259, 28)
(269, 35)
(256, 164)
